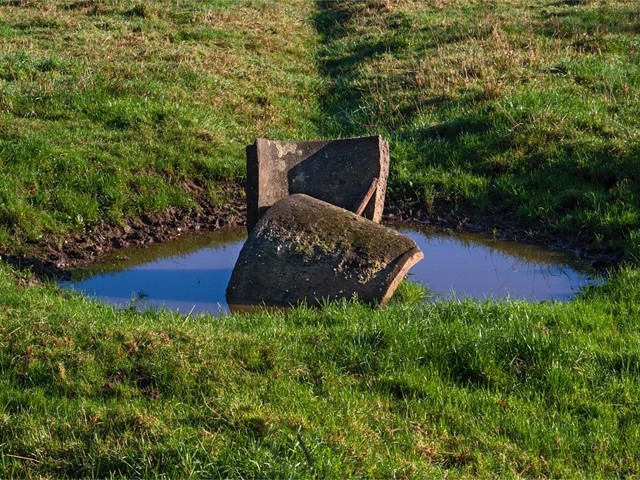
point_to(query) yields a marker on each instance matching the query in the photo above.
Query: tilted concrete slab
(307, 250)
(340, 172)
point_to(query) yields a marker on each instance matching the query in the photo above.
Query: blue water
(480, 267)
(191, 274)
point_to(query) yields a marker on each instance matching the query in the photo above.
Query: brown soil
(56, 257)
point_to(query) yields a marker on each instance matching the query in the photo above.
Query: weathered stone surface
(339, 172)
(304, 249)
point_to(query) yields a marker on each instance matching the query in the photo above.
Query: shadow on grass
(349, 106)
(575, 19)
(530, 155)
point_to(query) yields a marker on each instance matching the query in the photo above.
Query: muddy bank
(55, 257)
(447, 218)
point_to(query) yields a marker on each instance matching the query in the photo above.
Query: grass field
(522, 112)
(113, 109)
(509, 389)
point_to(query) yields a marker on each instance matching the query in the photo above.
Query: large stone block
(340, 172)
(307, 250)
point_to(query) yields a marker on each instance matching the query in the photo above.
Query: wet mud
(56, 257)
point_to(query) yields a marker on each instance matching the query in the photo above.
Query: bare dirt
(56, 257)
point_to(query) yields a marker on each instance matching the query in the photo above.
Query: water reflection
(191, 274)
(479, 266)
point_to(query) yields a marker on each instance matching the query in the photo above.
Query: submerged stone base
(307, 250)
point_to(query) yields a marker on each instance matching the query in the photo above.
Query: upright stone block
(340, 172)
(307, 250)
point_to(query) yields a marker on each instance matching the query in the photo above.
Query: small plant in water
(411, 293)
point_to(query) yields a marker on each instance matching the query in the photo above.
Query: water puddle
(190, 274)
(480, 266)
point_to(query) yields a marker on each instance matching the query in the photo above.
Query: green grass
(523, 111)
(112, 109)
(509, 389)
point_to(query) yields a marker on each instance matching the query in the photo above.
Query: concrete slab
(339, 172)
